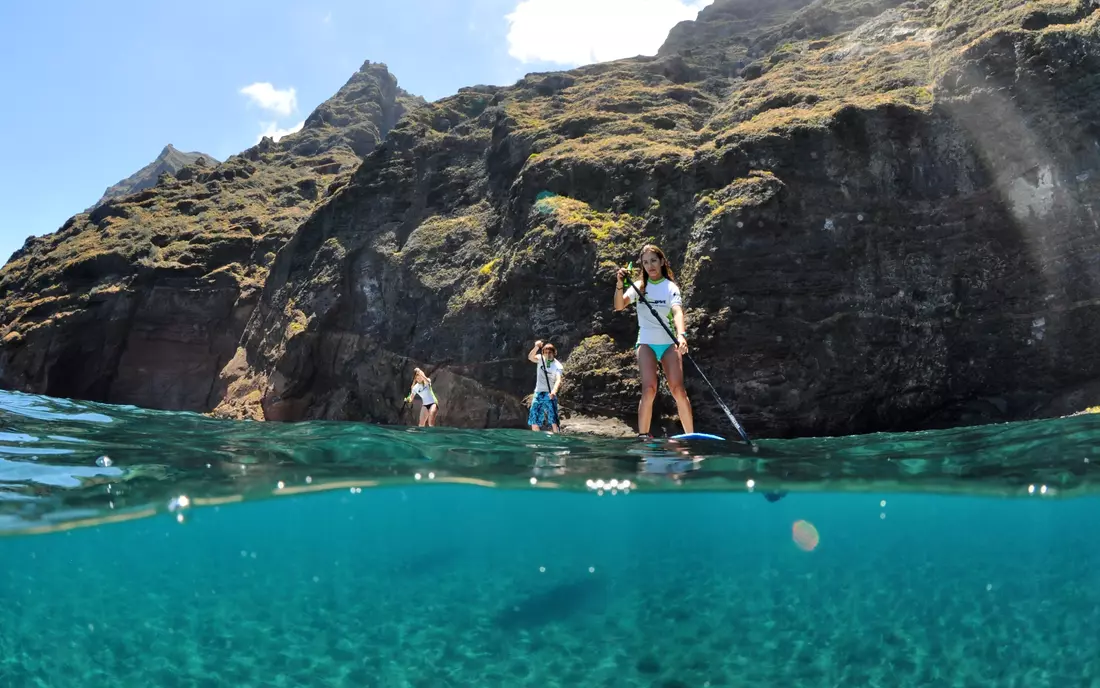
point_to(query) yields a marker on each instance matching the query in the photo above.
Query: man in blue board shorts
(548, 377)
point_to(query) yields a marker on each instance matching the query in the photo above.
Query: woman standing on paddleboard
(656, 287)
(429, 406)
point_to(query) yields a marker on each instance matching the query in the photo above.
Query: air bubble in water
(103, 461)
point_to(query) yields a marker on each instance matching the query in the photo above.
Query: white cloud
(272, 130)
(576, 32)
(270, 98)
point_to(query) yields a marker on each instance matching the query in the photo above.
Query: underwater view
(171, 549)
(453, 311)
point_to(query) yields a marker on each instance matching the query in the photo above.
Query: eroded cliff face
(881, 213)
(143, 300)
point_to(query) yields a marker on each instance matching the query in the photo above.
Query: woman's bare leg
(647, 370)
(423, 416)
(673, 363)
(432, 414)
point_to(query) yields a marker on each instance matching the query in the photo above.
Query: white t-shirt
(553, 371)
(662, 296)
(427, 397)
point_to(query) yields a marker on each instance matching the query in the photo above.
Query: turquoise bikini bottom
(658, 349)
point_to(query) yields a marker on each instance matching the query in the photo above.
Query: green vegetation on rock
(169, 161)
(878, 211)
(202, 227)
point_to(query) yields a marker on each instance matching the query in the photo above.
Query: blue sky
(94, 90)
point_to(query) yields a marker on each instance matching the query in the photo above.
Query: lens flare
(805, 535)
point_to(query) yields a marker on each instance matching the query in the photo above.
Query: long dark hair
(666, 269)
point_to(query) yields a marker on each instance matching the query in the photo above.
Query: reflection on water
(66, 463)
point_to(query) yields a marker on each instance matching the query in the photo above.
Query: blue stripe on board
(697, 436)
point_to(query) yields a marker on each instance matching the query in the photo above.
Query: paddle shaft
(714, 392)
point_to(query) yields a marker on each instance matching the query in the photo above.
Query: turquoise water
(147, 548)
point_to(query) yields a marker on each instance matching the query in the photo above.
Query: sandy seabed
(665, 605)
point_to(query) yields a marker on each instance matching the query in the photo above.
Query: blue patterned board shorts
(543, 408)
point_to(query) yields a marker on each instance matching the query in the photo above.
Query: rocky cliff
(881, 213)
(143, 300)
(169, 161)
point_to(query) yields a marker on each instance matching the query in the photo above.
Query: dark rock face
(170, 161)
(903, 240)
(144, 299)
(880, 212)
(358, 116)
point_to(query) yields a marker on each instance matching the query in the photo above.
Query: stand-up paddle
(714, 392)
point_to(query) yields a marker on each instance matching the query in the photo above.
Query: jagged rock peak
(170, 161)
(359, 115)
